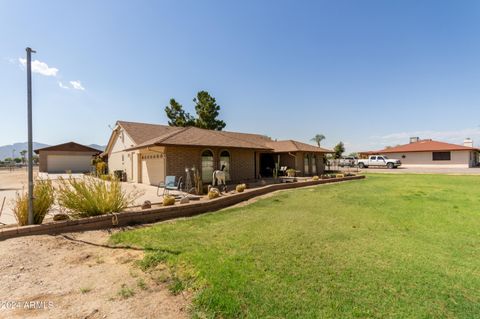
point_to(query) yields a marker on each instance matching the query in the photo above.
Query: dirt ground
(76, 276)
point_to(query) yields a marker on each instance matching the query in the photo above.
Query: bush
(91, 196)
(43, 193)
(315, 178)
(213, 193)
(339, 176)
(168, 200)
(240, 188)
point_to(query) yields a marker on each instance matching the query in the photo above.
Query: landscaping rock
(185, 200)
(146, 204)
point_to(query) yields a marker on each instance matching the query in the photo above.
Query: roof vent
(468, 142)
(414, 139)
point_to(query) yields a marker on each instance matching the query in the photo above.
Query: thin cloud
(77, 85)
(39, 67)
(63, 86)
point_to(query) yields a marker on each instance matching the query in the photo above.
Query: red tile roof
(424, 146)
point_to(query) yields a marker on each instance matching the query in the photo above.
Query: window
(306, 164)
(225, 160)
(373, 158)
(441, 156)
(314, 164)
(207, 166)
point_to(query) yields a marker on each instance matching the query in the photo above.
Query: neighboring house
(149, 152)
(430, 153)
(69, 157)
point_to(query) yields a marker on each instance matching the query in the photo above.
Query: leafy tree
(318, 139)
(207, 111)
(8, 160)
(177, 115)
(354, 154)
(339, 149)
(17, 160)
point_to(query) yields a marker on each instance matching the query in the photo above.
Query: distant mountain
(6, 150)
(16, 148)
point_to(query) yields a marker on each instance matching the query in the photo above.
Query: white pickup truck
(379, 160)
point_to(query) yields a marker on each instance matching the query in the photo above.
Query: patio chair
(171, 183)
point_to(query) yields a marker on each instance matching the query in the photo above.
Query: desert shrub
(91, 196)
(240, 188)
(291, 172)
(44, 195)
(315, 178)
(213, 193)
(168, 200)
(339, 176)
(106, 177)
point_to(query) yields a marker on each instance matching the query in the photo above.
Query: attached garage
(153, 169)
(66, 158)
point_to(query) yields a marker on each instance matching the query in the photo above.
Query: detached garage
(66, 158)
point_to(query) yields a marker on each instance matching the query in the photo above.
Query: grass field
(390, 246)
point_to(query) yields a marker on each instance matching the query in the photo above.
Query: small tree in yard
(318, 139)
(339, 149)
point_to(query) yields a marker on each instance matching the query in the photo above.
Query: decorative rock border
(156, 214)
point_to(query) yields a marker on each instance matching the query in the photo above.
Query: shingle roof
(142, 132)
(295, 146)
(425, 146)
(69, 147)
(145, 135)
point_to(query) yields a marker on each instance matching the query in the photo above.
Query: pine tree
(207, 111)
(177, 115)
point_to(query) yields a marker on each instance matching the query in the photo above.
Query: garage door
(65, 163)
(153, 169)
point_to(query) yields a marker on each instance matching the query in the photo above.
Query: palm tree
(22, 153)
(318, 139)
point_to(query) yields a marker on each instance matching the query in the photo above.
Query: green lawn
(389, 246)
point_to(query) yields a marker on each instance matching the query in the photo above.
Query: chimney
(468, 142)
(414, 139)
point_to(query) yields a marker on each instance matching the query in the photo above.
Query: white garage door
(153, 170)
(66, 163)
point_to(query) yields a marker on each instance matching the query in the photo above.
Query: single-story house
(147, 153)
(69, 157)
(430, 153)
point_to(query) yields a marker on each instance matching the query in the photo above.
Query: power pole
(30, 141)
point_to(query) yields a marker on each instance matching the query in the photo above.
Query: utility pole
(30, 141)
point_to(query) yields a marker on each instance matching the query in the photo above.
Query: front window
(225, 161)
(441, 156)
(306, 164)
(314, 164)
(207, 166)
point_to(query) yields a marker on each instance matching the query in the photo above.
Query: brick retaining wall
(156, 214)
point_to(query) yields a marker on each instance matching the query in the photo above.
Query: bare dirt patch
(76, 276)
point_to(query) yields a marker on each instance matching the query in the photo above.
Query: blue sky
(368, 73)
